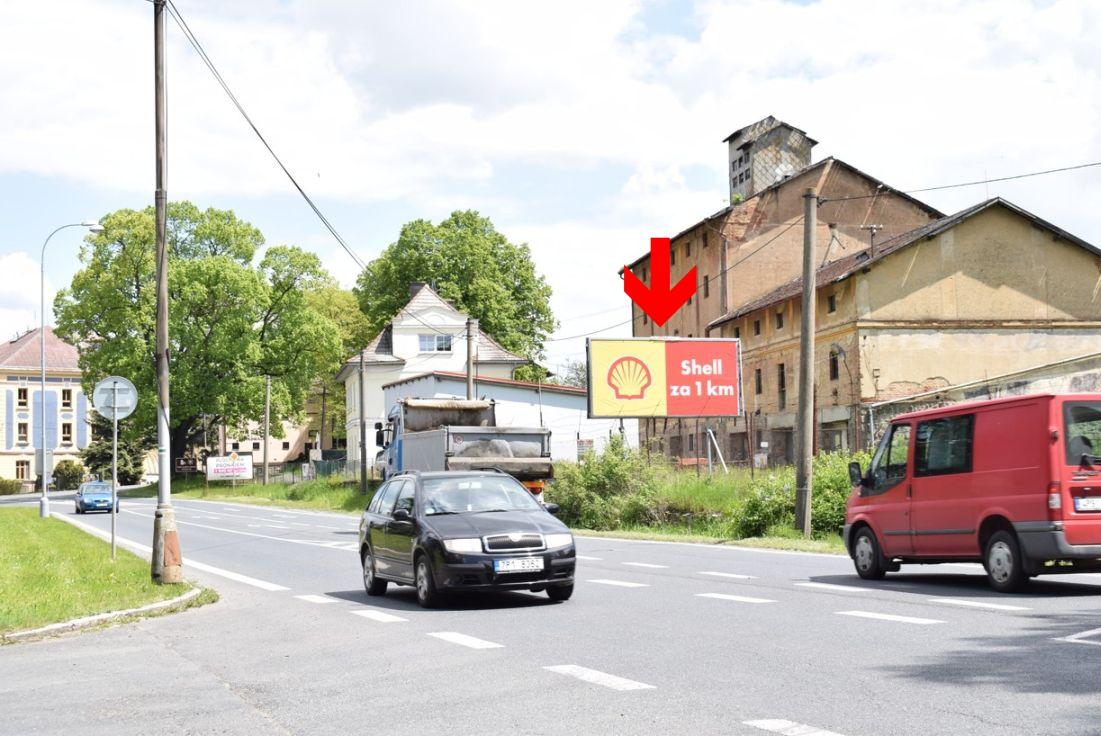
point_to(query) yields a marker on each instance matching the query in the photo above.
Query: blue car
(94, 496)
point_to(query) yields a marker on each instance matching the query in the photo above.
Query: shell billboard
(664, 377)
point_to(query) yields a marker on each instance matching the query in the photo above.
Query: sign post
(114, 398)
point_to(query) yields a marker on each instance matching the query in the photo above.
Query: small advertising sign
(234, 466)
(186, 465)
(656, 377)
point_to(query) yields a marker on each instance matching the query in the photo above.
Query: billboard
(234, 466)
(664, 377)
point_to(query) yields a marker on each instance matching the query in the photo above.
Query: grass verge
(51, 572)
(322, 495)
(826, 544)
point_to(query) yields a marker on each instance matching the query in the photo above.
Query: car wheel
(427, 595)
(371, 584)
(866, 555)
(560, 592)
(1003, 563)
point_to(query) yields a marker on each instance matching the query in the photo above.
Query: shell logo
(629, 378)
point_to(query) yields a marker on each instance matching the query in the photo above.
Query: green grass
(51, 571)
(323, 495)
(776, 539)
(686, 492)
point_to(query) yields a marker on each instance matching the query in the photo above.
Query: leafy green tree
(133, 447)
(233, 319)
(68, 474)
(340, 306)
(473, 266)
(575, 373)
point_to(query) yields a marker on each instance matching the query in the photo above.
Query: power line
(194, 41)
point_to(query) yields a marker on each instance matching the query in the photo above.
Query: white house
(562, 409)
(428, 334)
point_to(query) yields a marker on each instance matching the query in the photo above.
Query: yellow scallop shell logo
(629, 378)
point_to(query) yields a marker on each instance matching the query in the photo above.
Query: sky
(581, 128)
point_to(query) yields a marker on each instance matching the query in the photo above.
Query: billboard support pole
(805, 424)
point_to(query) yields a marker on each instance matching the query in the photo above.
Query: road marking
(1080, 638)
(831, 586)
(736, 598)
(978, 604)
(309, 542)
(316, 598)
(382, 618)
(731, 575)
(889, 617)
(586, 557)
(620, 583)
(467, 641)
(647, 564)
(599, 678)
(789, 728)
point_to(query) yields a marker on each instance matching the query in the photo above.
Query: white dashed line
(467, 641)
(647, 565)
(316, 598)
(889, 617)
(831, 586)
(731, 575)
(789, 728)
(620, 583)
(978, 604)
(379, 616)
(599, 678)
(586, 557)
(735, 598)
(1080, 638)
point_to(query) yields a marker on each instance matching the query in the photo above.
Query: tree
(231, 321)
(68, 474)
(575, 373)
(340, 306)
(471, 265)
(133, 447)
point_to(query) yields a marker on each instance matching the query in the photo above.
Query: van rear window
(1082, 429)
(944, 446)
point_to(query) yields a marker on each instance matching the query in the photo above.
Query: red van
(1012, 483)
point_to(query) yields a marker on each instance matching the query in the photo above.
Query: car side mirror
(552, 508)
(402, 515)
(856, 476)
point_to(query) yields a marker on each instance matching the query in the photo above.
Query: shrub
(605, 491)
(8, 486)
(68, 474)
(831, 489)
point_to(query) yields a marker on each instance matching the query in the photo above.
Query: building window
(22, 469)
(831, 303)
(692, 443)
(256, 445)
(690, 300)
(835, 371)
(66, 398)
(779, 320)
(66, 433)
(737, 333)
(22, 433)
(672, 255)
(286, 445)
(705, 239)
(235, 446)
(706, 286)
(434, 343)
(781, 383)
(688, 249)
(676, 332)
(645, 319)
(644, 275)
(758, 384)
(756, 327)
(21, 398)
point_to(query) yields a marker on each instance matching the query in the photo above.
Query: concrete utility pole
(362, 428)
(471, 331)
(167, 562)
(267, 423)
(805, 422)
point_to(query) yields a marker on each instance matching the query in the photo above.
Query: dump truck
(461, 434)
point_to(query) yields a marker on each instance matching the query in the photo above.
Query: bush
(68, 474)
(605, 491)
(8, 486)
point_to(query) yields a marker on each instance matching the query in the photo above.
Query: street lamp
(44, 469)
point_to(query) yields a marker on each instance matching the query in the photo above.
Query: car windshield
(1082, 431)
(97, 488)
(474, 494)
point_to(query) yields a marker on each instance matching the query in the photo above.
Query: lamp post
(44, 468)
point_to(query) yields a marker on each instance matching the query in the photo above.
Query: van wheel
(867, 557)
(1003, 563)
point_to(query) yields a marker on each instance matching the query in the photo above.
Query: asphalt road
(658, 638)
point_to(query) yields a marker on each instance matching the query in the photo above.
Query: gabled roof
(23, 353)
(842, 268)
(753, 131)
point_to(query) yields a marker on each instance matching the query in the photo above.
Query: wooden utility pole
(267, 424)
(166, 562)
(804, 442)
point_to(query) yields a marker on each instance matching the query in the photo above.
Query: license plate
(521, 564)
(1089, 503)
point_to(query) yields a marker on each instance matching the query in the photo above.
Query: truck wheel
(371, 584)
(1003, 563)
(866, 555)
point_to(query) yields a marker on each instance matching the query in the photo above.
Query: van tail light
(1055, 499)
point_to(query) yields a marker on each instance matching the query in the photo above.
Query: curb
(86, 621)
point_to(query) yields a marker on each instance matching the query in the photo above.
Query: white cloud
(20, 295)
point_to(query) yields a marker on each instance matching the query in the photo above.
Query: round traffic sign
(115, 397)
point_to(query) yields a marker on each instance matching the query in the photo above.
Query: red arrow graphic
(660, 302)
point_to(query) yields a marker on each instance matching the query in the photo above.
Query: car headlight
(559, 540)
(461, 546)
